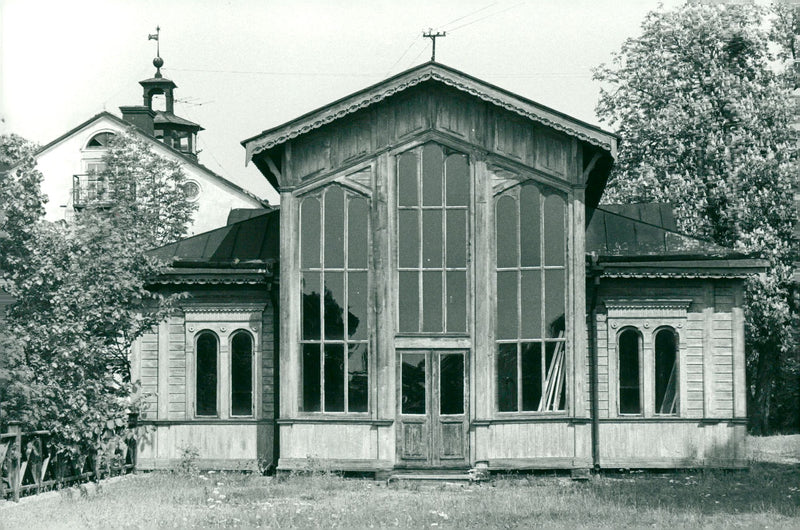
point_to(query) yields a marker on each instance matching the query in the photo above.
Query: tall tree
(82, 298)
(705, 119)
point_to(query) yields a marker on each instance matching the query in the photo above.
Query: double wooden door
(432, 407)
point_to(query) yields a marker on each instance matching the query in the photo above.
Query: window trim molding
(195, 338)
(648, 316)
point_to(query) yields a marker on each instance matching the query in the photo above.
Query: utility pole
(431, 35)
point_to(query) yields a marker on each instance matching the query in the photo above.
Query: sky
(244, 66)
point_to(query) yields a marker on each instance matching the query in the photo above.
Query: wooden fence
(30, 464)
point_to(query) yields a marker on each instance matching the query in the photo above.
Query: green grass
(767, 495)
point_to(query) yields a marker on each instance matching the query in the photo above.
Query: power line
(264, 72)
(413, 41)
(487, 16)
(444, 27)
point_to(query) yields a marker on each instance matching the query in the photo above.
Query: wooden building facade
(444, 292)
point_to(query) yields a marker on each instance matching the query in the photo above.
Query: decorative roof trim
(223, 308)
(458, 80)
(208, 280)
(648, 303)
(676, 275)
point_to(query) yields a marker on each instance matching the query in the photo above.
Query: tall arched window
(666, 376)
(207, 354)
(629, 351)
(242, 374)
(433, 195)
(334, 258)
(530, 230)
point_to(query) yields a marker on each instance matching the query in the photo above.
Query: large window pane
(408, 306)
(506, 231)
(432, 301)
(531, 303)
(357, 306)
(553, 387)
(334, 306)
(555, 232)
(456, 238)
(457, 177)
(207, 349)
(413, 399)
(451, 383)
(507, 305)
(310, 234)
(310, 307)
(357, 239)
(311, 377)
(507, 377)
(431, 238)
(242, 374)
(432, 175)
(554, 302)
(530, 219)
(407, 180)
(409, 238)
(334, 227)
(357, 379)
(531, 356)
(334, 377)
(666, 372)
(629, 395)
(456, 301)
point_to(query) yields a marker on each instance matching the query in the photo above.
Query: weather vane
(158, 62)
(431, 35)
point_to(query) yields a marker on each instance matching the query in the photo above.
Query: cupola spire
(158, 62)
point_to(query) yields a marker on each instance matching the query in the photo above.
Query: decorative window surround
(648, 316)
(224, 322)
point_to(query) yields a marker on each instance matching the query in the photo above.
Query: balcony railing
(89, 189)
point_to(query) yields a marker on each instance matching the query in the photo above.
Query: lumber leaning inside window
(206, 353)
(530, 230)
(629, 348)
(432, 232)
(666, 371)
(334, 228)
(241, 374)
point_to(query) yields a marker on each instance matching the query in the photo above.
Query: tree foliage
(705, 112)
(82, 298)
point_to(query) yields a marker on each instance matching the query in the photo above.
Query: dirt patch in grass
(767, 495)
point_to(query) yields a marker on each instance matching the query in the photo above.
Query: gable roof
(122, 123)
(444, 74)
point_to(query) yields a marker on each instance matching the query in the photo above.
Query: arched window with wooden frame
(206, 373)
(241, 349)
(100, 140)
(629, 356)
(666, 371)
(531, 297)
(334, 265)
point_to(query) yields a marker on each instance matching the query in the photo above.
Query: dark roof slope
(659, 214)
(251, 243)
(613, 235)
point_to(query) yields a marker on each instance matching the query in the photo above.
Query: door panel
(433, 426)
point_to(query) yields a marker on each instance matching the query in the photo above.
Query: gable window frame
(355, 280)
